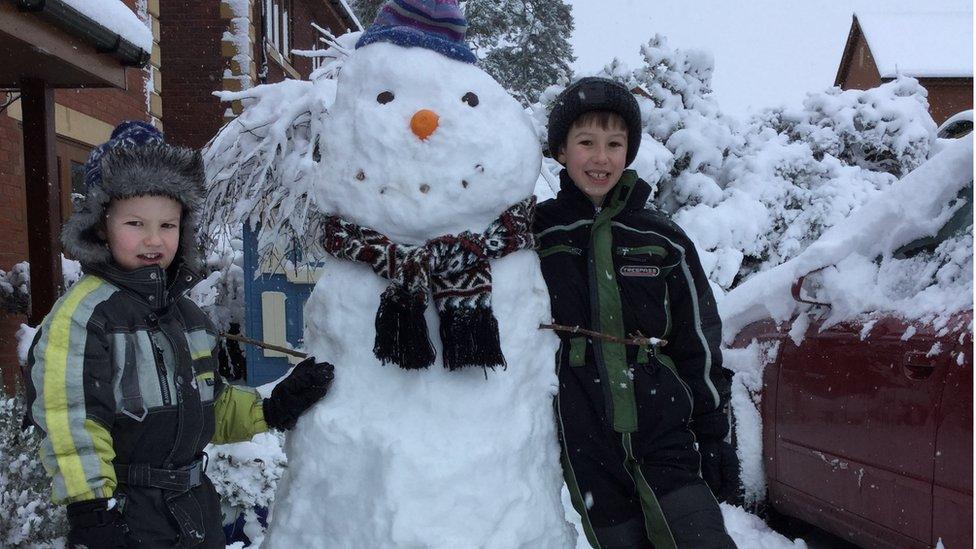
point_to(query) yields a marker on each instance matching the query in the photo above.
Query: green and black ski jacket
(123, 381)
(625, 270)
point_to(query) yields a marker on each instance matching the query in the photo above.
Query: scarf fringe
(470, 338)
(401, 331)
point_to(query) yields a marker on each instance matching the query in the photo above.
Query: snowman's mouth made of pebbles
(424, 188)
(423, 124)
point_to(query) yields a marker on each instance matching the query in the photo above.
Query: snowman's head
(418, 145)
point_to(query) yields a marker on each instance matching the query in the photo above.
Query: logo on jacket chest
(640, 271)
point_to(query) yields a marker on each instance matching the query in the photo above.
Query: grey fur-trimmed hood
(152, 169)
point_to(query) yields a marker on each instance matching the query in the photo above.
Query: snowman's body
(428, 458)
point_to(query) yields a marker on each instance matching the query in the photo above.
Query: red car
(871, 439)
(867, 426)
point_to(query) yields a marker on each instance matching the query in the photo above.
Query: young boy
(123, 370)
(632, 420)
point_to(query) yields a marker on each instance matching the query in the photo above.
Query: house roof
(920, 44)
(55, 42)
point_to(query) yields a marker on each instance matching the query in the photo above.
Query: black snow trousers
(648, 500)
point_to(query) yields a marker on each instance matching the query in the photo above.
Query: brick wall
(13, 246)
(190, 35)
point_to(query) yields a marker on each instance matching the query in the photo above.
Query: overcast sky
(767, 52)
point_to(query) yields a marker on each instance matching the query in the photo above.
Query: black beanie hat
(594, 94)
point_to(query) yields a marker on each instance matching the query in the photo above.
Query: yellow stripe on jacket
(77, 451)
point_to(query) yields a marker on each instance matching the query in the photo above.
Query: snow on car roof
(920, 44)
(118, 18)
(917, 205)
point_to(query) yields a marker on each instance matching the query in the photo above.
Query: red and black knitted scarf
(455, 269)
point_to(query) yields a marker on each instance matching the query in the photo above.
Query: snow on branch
(260, 165)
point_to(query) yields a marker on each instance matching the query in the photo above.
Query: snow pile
(116, 17)
(862, 272)
(749, 531)
(747, 385)
(797, 173)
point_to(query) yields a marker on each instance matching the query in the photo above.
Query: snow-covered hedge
(27, 516)
(15, 289)
(246, 475)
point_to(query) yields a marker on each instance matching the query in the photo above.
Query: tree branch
(264, 345)
(637, 339)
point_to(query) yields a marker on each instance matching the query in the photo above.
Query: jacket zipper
(161, 373)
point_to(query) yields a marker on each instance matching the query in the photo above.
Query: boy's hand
(94, 524)
(720, 470)
(303, 387)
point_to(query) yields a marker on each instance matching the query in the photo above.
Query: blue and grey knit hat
(437, 25)
(130, 133)
(135, 161)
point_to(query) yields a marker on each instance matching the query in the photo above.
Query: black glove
(94, 525)
(303, 387)
(720, 470)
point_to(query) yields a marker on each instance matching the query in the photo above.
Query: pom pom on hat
(437, 25)
(131, 133)
(594, 94)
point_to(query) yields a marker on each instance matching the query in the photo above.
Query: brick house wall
(193, 69)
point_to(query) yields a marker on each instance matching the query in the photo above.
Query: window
(277, 25)
(71, 173)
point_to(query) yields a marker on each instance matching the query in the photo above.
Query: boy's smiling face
(595, 157)
(143, 231)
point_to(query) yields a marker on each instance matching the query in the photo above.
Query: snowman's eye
(471, 99)
(384, 97)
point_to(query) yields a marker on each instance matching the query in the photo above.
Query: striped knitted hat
(436, 25)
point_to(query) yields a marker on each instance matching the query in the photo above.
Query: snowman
(439, 429)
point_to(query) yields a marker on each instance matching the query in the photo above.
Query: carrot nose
(424, 123)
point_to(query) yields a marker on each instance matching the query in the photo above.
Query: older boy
(123, 377)
(632, 419)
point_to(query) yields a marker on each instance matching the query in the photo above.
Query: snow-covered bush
(884, 129)
(15, 289)
(221, 293)
(246, 475)
(27, 516)
(15, 285)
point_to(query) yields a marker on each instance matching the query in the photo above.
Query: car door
(857, 411)
(952, 501)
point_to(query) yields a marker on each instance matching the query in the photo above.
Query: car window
(956, 129)
(960, 221)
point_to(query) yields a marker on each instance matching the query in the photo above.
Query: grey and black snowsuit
(629, 416)
(122, 373)
(124, 383)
